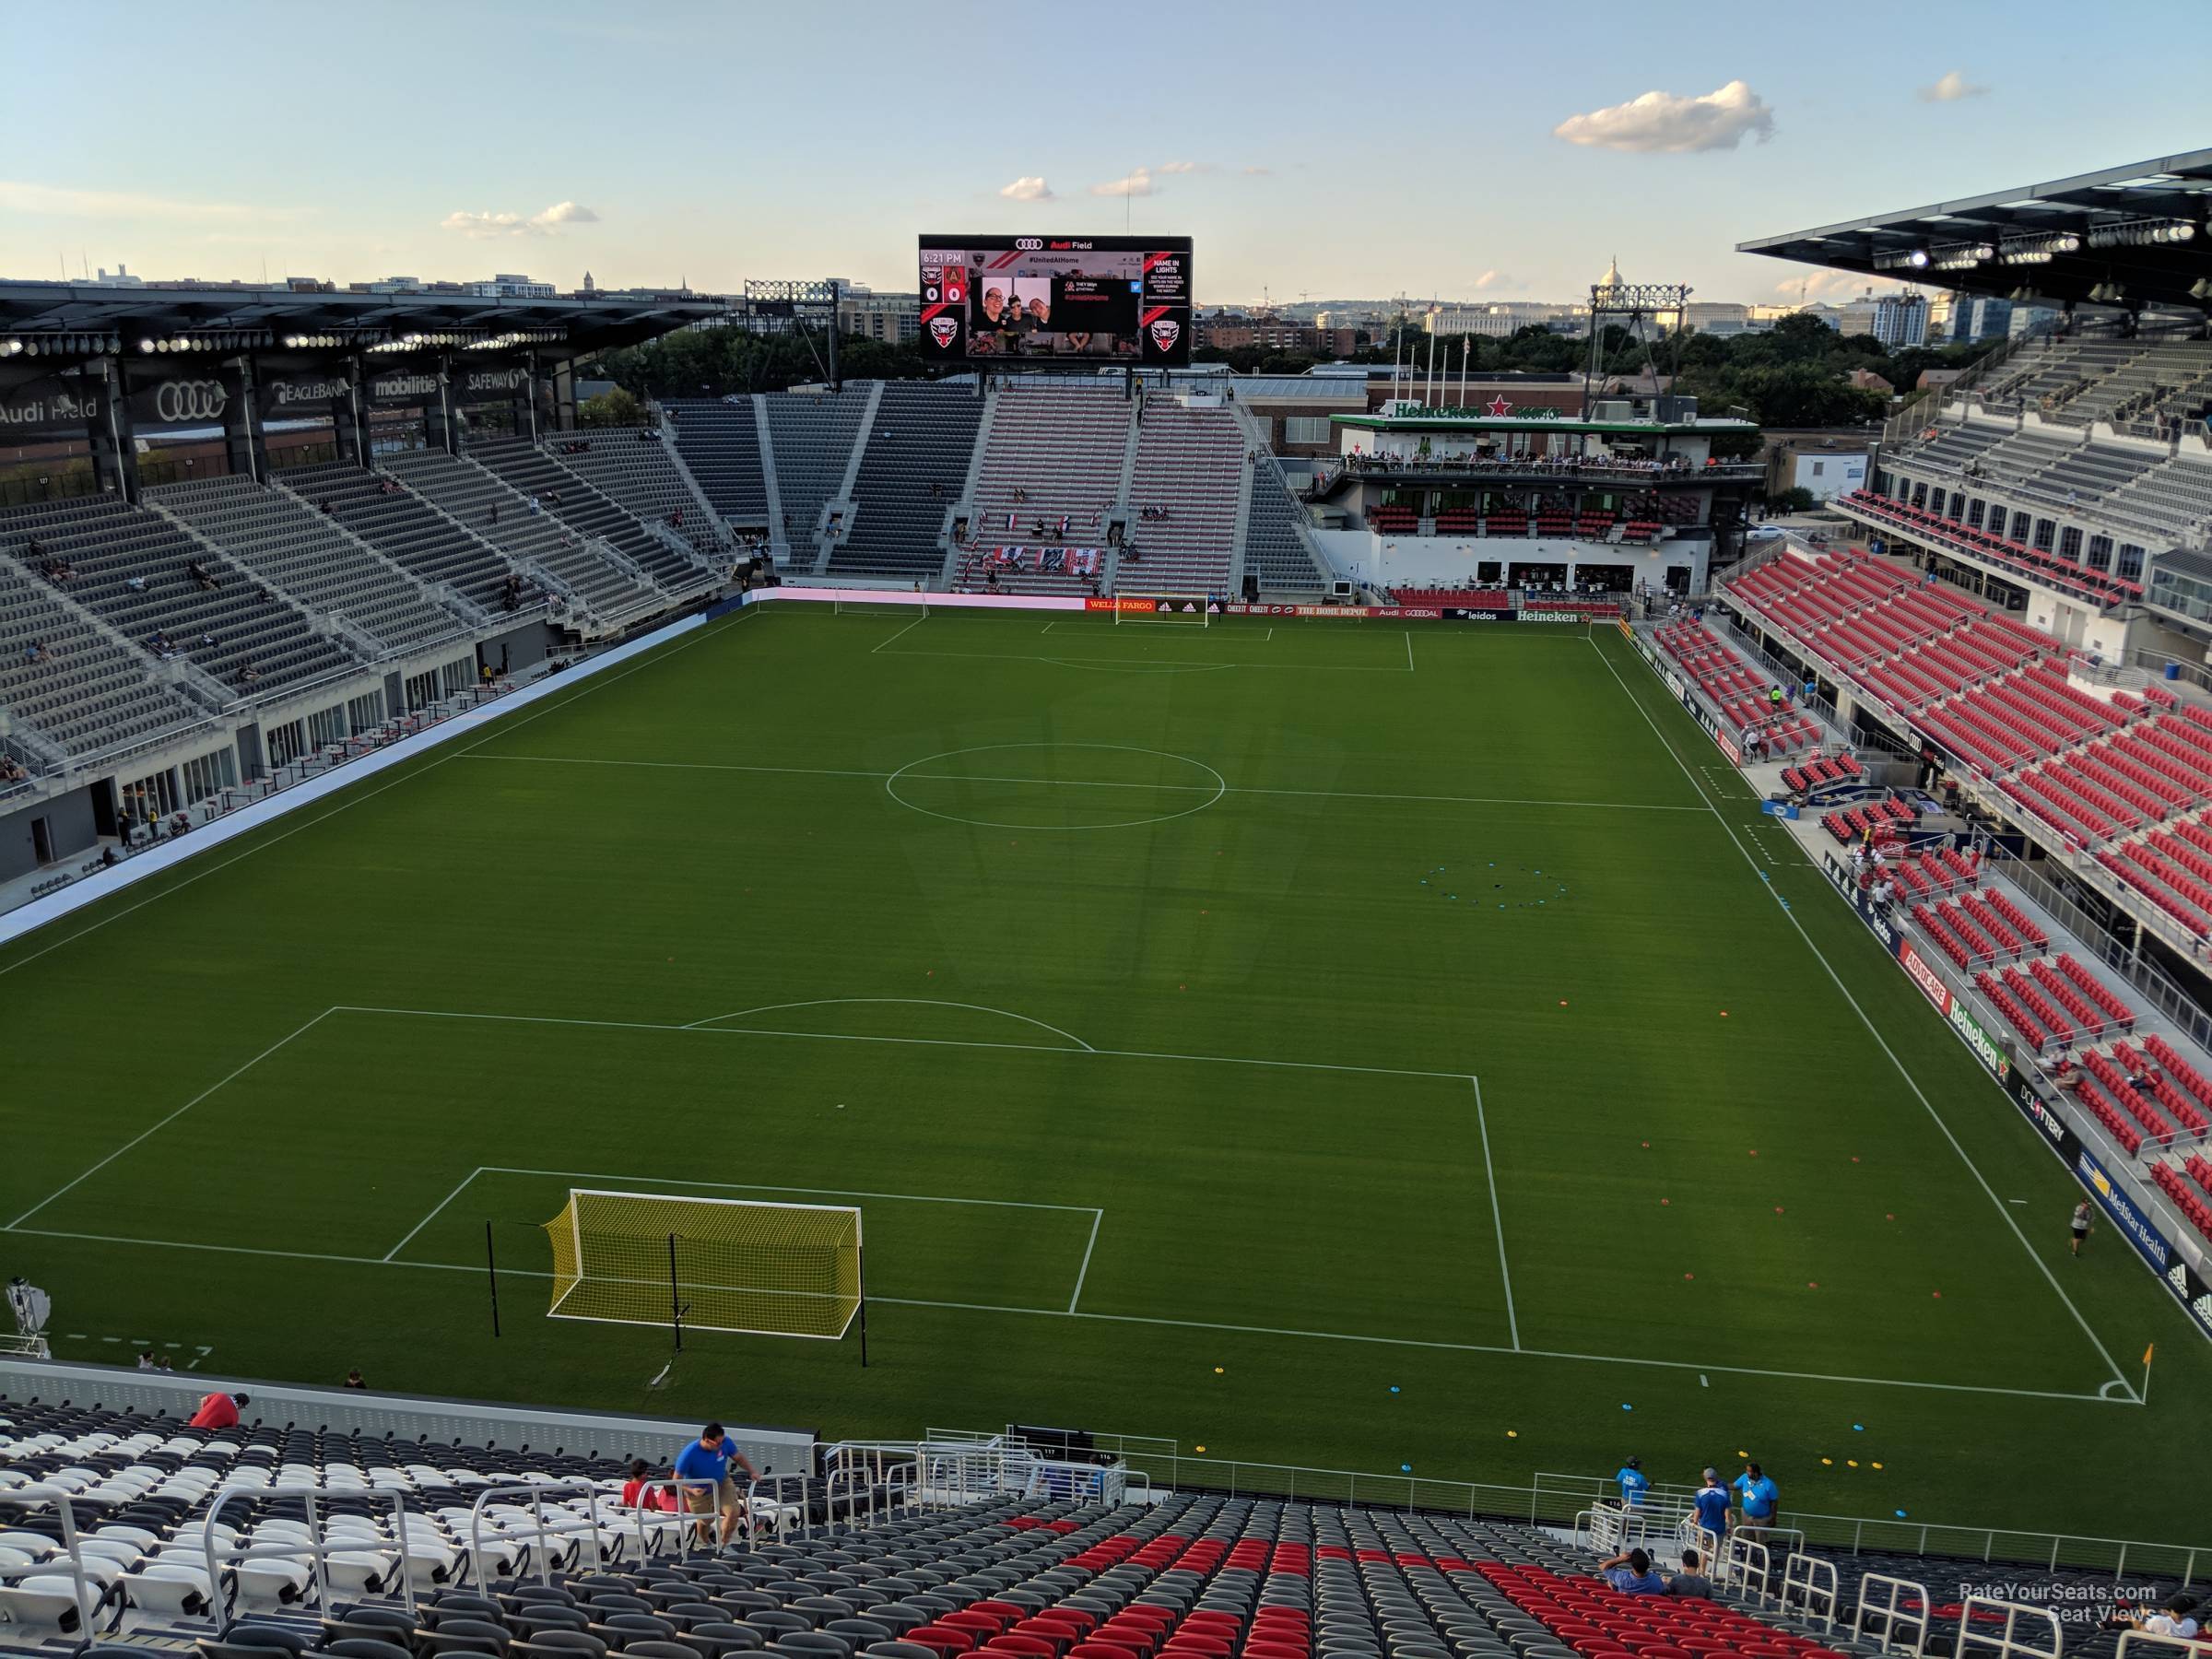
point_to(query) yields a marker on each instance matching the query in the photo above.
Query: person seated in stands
(136, 583)
(355, 1380)
(635, 1496)
(218, 1411)
(35, 651)
(1630, 1573)
(1690, 1582)
(2174, 1620)
(249, 674)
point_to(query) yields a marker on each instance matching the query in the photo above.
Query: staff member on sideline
(706, 1461)
(1634, 1483)
(1761, 1498)
(2080, 1224)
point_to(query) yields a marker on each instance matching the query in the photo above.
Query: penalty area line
(1692, 1366)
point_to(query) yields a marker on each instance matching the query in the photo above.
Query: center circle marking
(891, 785)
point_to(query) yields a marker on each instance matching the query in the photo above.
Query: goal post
(735, 1265)
(1186, 610)
(878, 608)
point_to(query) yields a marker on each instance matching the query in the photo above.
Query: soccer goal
(878, 608)
(1185, 611)
(707, 1264)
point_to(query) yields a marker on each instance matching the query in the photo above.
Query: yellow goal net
(706, 1264)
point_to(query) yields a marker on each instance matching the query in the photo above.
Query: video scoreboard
(1102, 299)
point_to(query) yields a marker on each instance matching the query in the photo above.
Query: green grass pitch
(1325, 1043)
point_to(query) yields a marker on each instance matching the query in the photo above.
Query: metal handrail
(1809, 1584)
(1892, 1612)
(318, 1547)
(2010, 1642)
(88, 1605)
(537, 1492)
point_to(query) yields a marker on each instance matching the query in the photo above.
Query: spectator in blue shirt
(1634, 1483)
(1760, 1496)
(1631, 1574)
(1710, 1507)
(706, 1461)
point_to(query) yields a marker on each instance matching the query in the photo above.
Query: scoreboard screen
(1103, 299)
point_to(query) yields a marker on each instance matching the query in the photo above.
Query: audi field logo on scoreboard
(1165, 332)
(944, 330)
(190, 400)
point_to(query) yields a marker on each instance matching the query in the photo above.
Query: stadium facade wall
(1446, 561)
(418, 1419)
(166, 856)
(69, 822)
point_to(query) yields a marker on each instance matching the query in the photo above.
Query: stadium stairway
(611, 593)
(1052, 454)
(131, 570)
(655, 549)
(431, 546)
(637, 468)
(313, 558)
(911, 475)
(1189, 465)
(812, 435)
(719, 441)
(88, 689)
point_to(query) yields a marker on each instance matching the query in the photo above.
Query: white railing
(1893, 1613)
(1750, 1568)
(2024, 1632)
(316, 1548)
(88, 1602)
(543, 1533)
(1809, 1589)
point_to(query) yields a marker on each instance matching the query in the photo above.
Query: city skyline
(714, 144)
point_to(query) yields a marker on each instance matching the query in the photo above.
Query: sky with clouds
(1463, 150)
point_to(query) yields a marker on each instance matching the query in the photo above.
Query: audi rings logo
(190, 400)
(1029, 244)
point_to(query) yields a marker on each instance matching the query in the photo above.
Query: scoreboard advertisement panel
(1100, 299)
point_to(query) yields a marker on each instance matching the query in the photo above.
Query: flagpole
(2147, 1354)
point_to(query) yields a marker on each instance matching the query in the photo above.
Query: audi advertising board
(199, 399)
(1019, 299)
(59, 405)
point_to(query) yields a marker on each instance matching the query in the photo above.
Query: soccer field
(1324, 1043)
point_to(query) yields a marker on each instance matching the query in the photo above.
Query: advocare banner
(56, 405)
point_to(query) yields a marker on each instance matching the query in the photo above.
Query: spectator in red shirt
(634, 1489)
(218, 1411)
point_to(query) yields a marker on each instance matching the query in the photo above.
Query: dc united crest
(944, 330)
(1165, 332)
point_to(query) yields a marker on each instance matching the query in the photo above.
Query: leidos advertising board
(1107, 298)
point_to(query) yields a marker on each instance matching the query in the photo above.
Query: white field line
(146, 1134)
(1409, 651)
(923, 1002)
(461, 1187)
(1030, 1048)
(1315, 794)
(354, 797)
(1083, 1272)
(1489, 1169)
(1144, 667)
(1872, 1029)
(1188, 1324)
(903, 632)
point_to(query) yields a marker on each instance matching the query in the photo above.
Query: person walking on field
(2080, 1224)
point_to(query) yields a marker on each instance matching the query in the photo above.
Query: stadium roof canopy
(2141, 227)
(64, 318)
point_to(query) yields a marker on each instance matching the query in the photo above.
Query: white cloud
(1029, 187)
(483, 225)
(1257, 171)
(57, 201)
(1184, 166)
(1490, 279)
(1667, 123)
(1952, 86)
(1139, 183)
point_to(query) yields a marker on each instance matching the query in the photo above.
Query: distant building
(1935, 380)
(892, 318)
(1227, 331)
(1896, 320)
(122, 278)
(1498, 320)
(1719, 317)
(507, 286)
(1824, 465)
(1866, 380)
